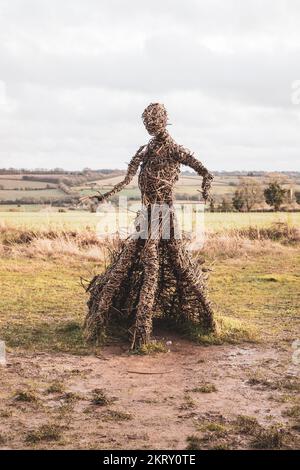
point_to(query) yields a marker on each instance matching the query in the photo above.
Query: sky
(76, 75)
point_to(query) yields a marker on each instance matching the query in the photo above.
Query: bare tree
(250, 192)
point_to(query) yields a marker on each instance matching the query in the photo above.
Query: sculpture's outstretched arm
(185, 157)
(131, 171)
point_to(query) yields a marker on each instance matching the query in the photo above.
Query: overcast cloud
(75, 76)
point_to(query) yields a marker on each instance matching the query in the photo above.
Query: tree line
(250, 194)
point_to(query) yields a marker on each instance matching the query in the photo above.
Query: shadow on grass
(228, 331)
(68, 336)
(64, 337)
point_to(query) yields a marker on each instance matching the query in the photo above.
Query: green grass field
(43, 303)
(81, 219)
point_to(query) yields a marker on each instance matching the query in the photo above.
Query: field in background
(13, 194)
(67, 188)
(22, 184)
(188, 186)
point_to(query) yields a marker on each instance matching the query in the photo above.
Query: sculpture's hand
(205, 194)
(185, 157)
(94, 198)
(206, 185)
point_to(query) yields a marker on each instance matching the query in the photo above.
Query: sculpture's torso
(159, 171)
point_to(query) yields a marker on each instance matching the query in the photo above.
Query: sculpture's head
(155, 118)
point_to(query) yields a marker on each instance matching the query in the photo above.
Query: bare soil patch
(234, 397)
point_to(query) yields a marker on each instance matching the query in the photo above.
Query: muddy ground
(207, 397)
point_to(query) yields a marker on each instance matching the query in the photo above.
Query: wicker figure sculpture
(152, 276)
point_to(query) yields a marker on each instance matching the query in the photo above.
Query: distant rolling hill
(67, 187)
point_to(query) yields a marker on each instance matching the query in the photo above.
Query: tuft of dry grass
(270, 438)
(46, 432)
(116, 415)
(41, 247)
(251, 240)
(188, 403)
(205, 388)
(293, 412)
(230, 243)
(194, 442)
(151, 348)
(247, 424)
(70, 397)
(56, 387)
(228, 330)
(5, 413)
(51, 243)
(283, 383)
(26, 396)
(100, 397)
(217, 429)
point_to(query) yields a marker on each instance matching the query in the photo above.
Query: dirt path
(200, 392)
